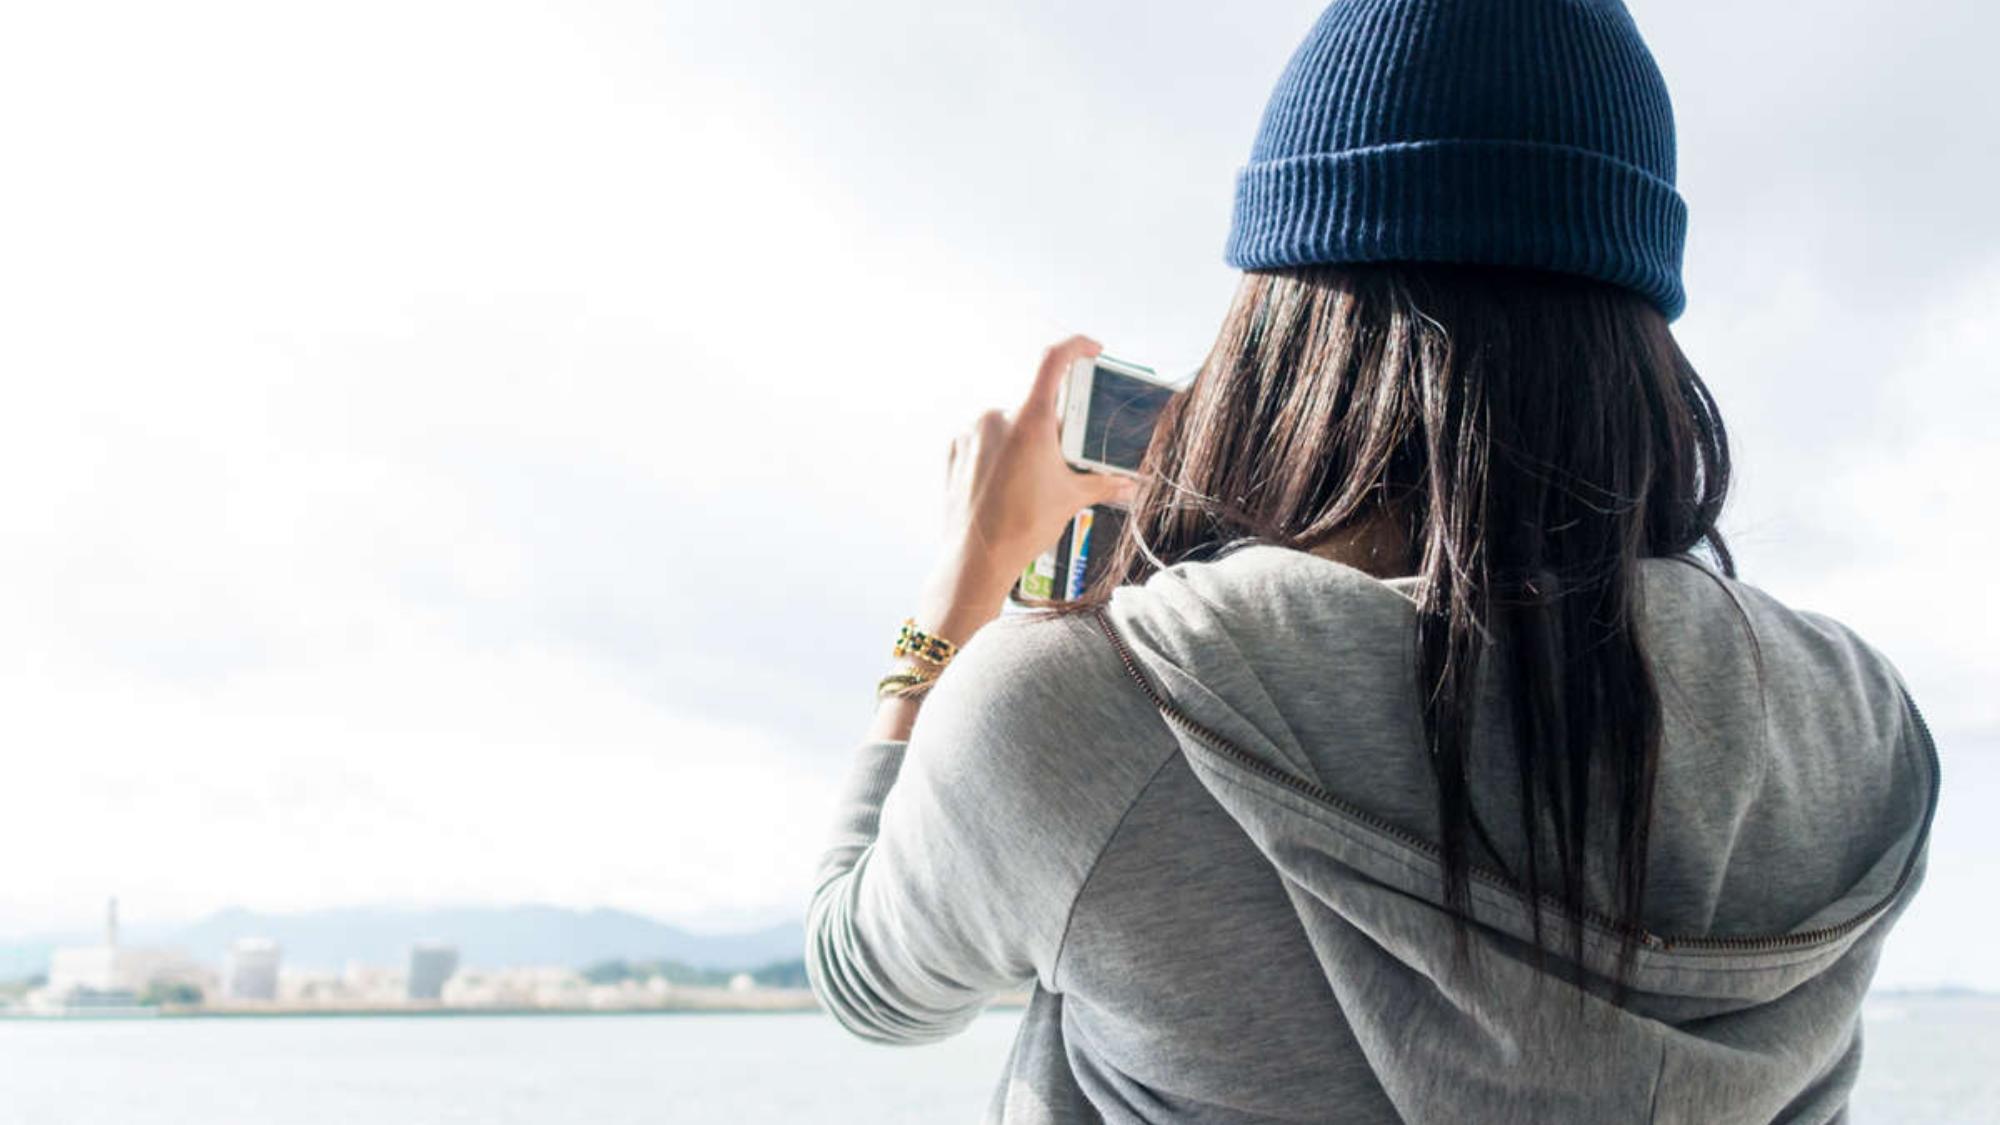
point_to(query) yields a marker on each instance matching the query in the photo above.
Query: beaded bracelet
(927, 647)
(924, 656)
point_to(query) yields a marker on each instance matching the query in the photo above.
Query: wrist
(964, 594)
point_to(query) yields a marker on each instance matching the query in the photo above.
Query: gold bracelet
(927, 647)
(907, 683)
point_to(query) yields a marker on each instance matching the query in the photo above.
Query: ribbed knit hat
(1504, 132)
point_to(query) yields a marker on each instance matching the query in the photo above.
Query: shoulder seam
(1069, 916)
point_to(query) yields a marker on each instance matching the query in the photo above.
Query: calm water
(1930, 1060)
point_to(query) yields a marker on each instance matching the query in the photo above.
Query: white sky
(451, 448)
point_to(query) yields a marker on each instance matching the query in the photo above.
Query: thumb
(1055, 368)
(1110, 488)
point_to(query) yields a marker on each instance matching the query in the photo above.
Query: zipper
(1594, 919)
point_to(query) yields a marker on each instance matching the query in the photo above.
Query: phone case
(1067, 569)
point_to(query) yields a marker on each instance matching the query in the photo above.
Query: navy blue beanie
(1503, 132)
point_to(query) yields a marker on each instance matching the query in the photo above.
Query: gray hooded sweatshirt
(1206, 843)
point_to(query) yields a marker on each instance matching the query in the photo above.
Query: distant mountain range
(486, 937)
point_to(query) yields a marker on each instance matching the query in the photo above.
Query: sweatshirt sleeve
(954, 859)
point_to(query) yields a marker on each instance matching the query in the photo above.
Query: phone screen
(1119, 424)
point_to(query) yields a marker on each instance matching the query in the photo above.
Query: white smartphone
(1108, 410)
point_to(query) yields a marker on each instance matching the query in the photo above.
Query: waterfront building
(251, 970)
(309, 988)
(431, 965)
(372, 984)
(520, 987)
(113, 975)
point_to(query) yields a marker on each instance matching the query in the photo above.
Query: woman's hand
(1008, 493)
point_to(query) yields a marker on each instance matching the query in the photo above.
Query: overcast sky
(476, 452)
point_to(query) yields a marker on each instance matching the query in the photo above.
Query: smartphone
(1108, 409)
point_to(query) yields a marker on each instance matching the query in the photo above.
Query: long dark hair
(1526, 438)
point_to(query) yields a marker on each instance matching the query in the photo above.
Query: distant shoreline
(784, 1002)
(758, 1002)
(383, 1013)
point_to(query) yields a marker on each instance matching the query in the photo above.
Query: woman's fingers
(1008, 490)
(1056, 363)
(1110, 488)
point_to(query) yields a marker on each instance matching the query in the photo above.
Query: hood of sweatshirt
(1796, 787)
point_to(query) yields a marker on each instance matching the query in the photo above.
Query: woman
(1409, 764)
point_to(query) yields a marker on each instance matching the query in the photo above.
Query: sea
(1929, 1059)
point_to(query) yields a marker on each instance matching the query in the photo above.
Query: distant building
(251, 970)
(373, 984)
(312, 988)
(111, 975)
(431, 965)
(91, 976)
(519, 987)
